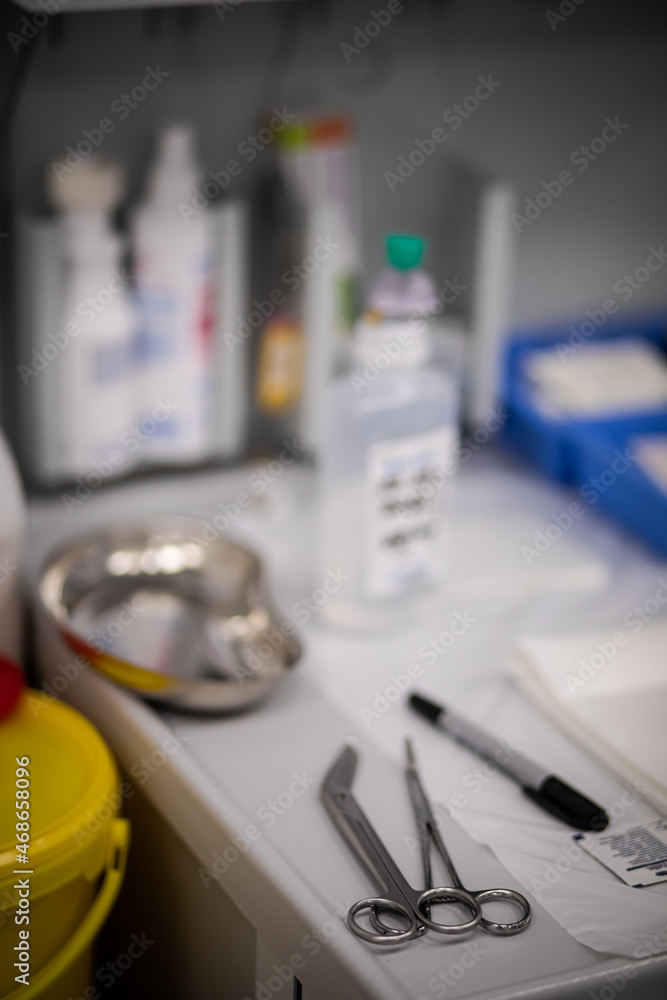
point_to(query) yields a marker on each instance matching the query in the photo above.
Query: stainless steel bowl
(175, 618)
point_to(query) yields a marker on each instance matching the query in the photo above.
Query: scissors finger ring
(512, 927)
(384, 934)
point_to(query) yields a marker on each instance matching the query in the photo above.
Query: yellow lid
(73, 790)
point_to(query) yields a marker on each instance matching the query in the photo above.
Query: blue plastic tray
(609, 476)
(551, 444)
(589, 453)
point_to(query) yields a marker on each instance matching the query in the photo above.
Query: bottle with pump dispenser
(173, 257)
(390, 431)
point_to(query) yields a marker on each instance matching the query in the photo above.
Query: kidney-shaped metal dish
(178, 619)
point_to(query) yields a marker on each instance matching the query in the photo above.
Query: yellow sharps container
(75, 846)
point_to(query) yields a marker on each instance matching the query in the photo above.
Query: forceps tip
(410, 753)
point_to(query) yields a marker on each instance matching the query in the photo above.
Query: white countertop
(297, 877)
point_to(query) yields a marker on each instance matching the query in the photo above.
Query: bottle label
(110, 363)
(406, 487)
(156, 339)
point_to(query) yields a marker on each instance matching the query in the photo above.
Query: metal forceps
(429, 834)
(400, 898)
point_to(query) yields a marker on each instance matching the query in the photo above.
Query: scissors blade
(338, 778)
(343, 809)
(357, 830)
(348, 816)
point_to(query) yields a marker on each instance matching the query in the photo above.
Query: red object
(11, 683)
(330, 129)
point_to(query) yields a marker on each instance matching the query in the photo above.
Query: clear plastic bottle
(389, 439)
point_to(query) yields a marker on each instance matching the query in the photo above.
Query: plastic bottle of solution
(175, 292)
(390, 431)
(96, 366)
(12, 521)
(315, 263)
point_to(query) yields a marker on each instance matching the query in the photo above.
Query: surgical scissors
(400, 899)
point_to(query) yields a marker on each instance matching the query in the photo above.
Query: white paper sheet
(616, 376)
(609, 689)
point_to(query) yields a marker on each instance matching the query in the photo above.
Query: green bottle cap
(404, 252)
(294, 136)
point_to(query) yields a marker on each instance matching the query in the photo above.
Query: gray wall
(557, 88)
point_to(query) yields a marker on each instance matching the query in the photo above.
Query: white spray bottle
(96, 355)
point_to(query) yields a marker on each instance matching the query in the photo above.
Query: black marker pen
(548, 791)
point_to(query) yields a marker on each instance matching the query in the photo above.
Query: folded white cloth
(608, 690)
